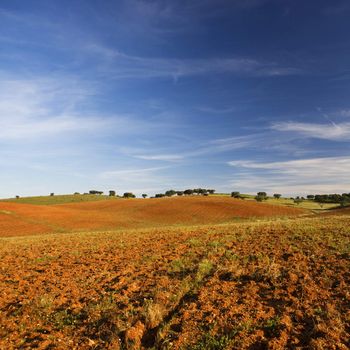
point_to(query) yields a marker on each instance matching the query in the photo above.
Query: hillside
(59, 199)
(26, 219)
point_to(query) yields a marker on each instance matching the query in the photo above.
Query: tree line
(342, 199)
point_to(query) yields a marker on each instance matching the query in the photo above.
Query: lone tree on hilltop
(277, 195)
(261, 196)
(235, 194)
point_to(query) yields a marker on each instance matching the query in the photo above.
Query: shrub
(112, 193)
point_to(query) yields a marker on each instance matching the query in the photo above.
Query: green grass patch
(60, 199)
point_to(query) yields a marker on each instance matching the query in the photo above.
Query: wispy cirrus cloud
(47, 106)
(120, 65)
(128, 173)
(210, 147)
(332, 131)
(314, 175)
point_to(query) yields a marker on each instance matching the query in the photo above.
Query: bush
(112, 193)
(277, 196)
(144, 195)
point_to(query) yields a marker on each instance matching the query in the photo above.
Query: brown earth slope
(26, 219)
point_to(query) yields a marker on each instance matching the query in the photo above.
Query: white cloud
(43, 107)
(323, 175)
(334, 132)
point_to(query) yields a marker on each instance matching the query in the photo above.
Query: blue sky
(144, 96)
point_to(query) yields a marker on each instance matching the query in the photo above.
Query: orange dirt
(26, 219)
(262, 285)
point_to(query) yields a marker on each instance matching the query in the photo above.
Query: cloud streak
(314, 175)
(119, 65)
(334, 132)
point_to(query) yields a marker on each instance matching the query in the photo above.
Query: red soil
(26, 219)
(281, 285)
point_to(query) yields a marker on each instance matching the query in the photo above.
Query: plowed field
(260, 285)
(25, 219)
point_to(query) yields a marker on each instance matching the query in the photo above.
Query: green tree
(277, 196)
(260, 198)
(235, 194)
(188, 192)
(170, 193)
(128, 195)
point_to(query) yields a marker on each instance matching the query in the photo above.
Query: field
(22, 219)
(179, 273)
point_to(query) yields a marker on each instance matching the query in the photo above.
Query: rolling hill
(26, 219)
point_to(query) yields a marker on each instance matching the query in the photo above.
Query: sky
(146, 96)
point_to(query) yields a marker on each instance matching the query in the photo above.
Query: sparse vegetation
(206, 288)
(222, 285)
